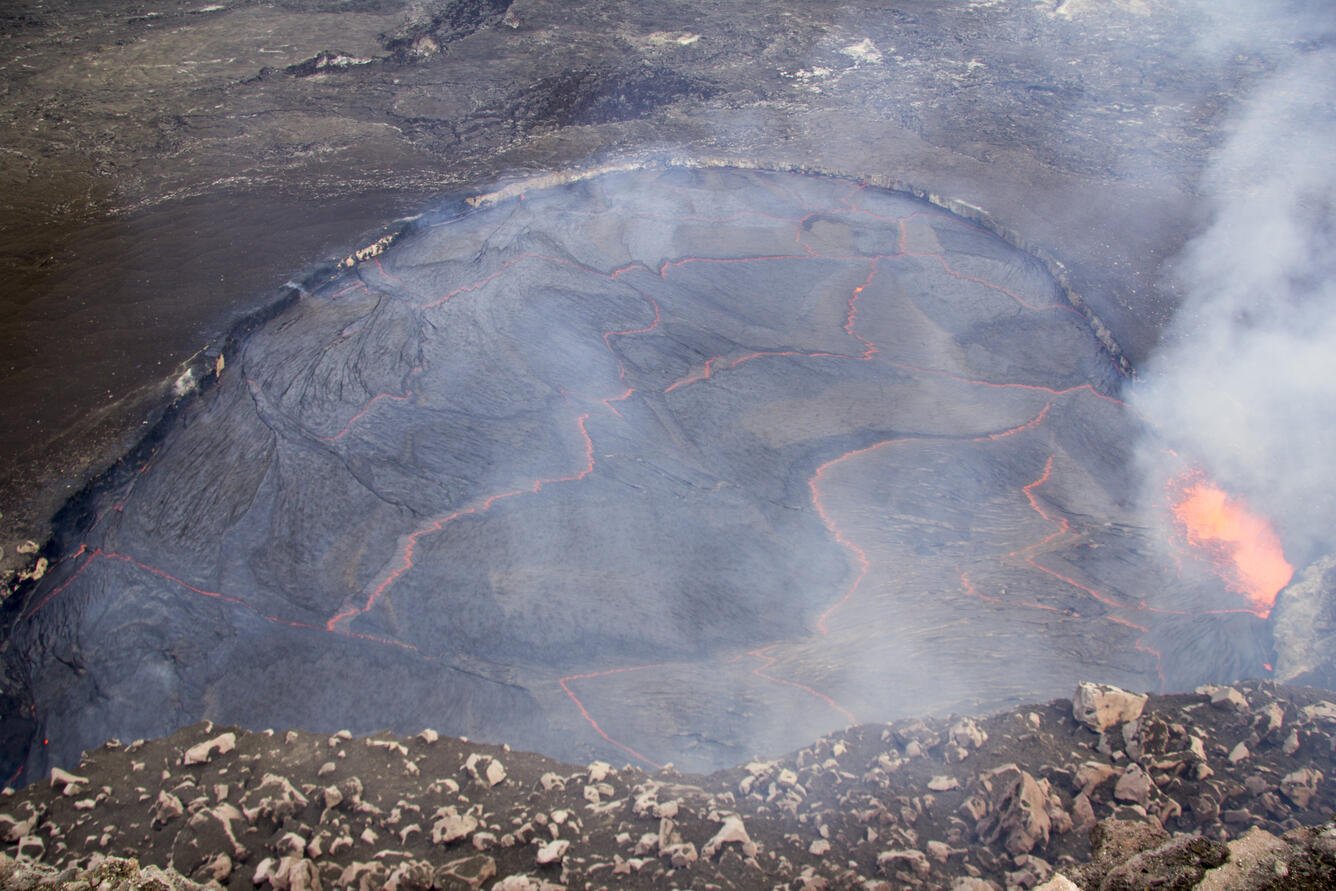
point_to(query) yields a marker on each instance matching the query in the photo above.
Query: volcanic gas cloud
(660, 466)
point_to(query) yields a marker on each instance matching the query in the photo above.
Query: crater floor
(664, 466)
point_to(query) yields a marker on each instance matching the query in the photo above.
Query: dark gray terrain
(676, 464)
(168, 166)
(1223, 789)
(679, 465)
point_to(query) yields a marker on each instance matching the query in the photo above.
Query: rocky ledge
(1225, 787)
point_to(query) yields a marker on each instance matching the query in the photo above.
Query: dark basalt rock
(684, 464)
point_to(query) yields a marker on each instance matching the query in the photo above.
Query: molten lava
(1242, 546)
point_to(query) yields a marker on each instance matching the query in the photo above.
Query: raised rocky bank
(1226, 787)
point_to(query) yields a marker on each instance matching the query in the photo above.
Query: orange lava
(1242, 546)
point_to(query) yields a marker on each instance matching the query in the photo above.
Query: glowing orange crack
(1064, 528)
(769, 661)
(849, 327)
(409, 547)
(565, 685)
(859, 555)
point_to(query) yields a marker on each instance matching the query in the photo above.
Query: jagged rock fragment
(201, 753)
(1100, 706)
(553, 851)
(1017, 810)
(1134, 785)
(913, 862)
(1300, 786)
(471, 871)
(451, 826)
(731, 832)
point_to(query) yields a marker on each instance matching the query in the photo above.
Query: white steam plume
(1245, 381)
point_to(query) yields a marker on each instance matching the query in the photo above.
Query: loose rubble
(1226, 787)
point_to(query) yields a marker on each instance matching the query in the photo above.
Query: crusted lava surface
(1217, 786)
(168, 166)
(676, 466)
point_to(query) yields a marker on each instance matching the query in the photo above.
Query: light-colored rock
(1058, 882)
(1323, 711)
(30, 847)
(360, 875)
(967, 734)
(1015, 812)
(1092, 774)
(680, 856)
(287, 874)
(411, 875)
(1100, 706)
(1134, 785)
(553, 852)
(264, 870)
(472, 871)
(516, 883)
(1301, 785)
(168, 807)
(201, 753)
(1291, 744)
(217, 867)
(907, 860)
(1229, 699)
(451, 826)
(13, 830)
(943, 783)
(296, 874)
(275, 797)
(390, 745)
(63, 780)
(648, 843)
(485, 770)
(666, 836)
(731, 832)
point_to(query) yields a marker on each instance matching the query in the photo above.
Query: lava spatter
(1241, 546)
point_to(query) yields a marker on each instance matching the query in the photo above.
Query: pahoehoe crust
(680, 463)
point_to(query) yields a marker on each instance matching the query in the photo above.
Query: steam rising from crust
(1245, 382)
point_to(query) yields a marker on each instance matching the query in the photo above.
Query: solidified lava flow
(660, 466)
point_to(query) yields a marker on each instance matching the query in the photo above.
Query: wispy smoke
(1245, 381)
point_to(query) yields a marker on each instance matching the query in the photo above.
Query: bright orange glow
(1242, 545)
